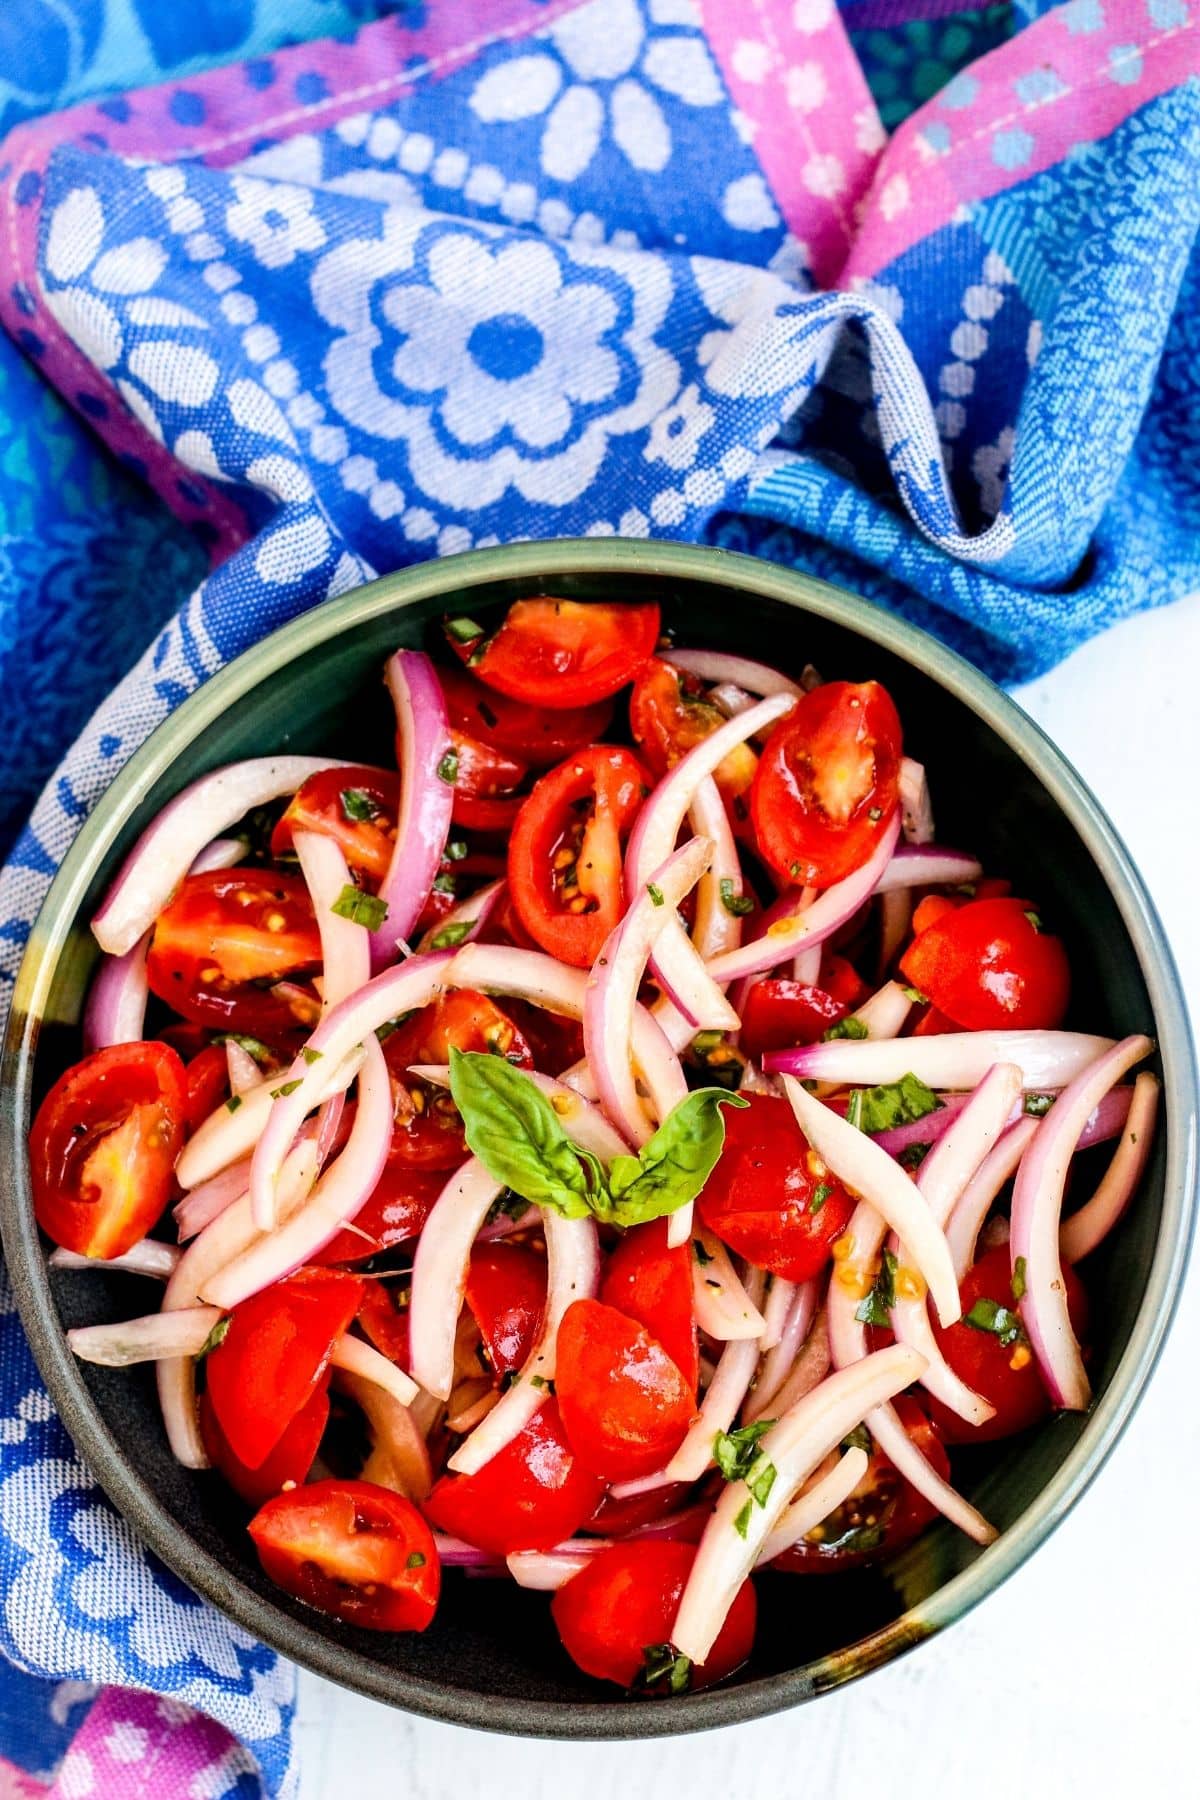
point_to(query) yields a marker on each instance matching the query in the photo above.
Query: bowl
(491, 1658)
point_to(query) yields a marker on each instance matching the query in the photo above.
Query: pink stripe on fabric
(135, 1746)
(383, 61)
(793, 74)
(1070, 79)
(17, 1784)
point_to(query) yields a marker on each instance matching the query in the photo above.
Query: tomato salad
(617, 1148)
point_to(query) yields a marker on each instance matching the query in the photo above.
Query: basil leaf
(913, 1155)
(452, 935)
(876, 1309)
(514, 1131)
(361, 909)
(448, 767)
(741, 1523)
(671, 1169)
(663, 1663)
(1018, 1279)
(820, 1195)
(1036, 1106)
(357, 806)
(989, 1315)
(849, 1027)
(735, 1452)
(253, 1046)
(898, 1103)
(737, 904)
(215, 1338)
(463, 631)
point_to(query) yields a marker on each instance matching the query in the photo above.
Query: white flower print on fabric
(500, 362)
(277, 221)
(607, 75)
(676, 433)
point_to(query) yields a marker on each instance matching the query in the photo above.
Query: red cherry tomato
(989, 966)
(842, 980)
(621, 1518)
(483, 770)
(562, 653)
(1005, 1374)
(932, 1023)
(668, 716)
(207, 1084)
(223, 935)
(428, 1132)
(882, 1514)
(290, 1460)
(506, 1291)
(770, 1198)
(828, 782)
(530, 1496)
(352, 1549)
(273, 1356)
(385, 1320)
(651, 1283)
(354, 806)
(530, 734)
(564, 857)
(495, 816)
(625, 1406)
(780, 1014)
(623, 1604)
(103, 1147)
(402, 1200)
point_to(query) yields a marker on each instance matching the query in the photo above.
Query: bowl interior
(317, 688)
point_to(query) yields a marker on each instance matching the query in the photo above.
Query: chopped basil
(989, 1315)
(289, 1087)
(443, 883)
(367, 910)
(704, 1041)
(233, 1102)
(1018, 1279)
(508, 1205)
(741, 1523)
(849, 1027)
(913, 1155)
(456, 849)
(539, 1381)
(664, 1663)
(216, 1336)
(794, 870)
(737, 904)
(1037, 1105)
(311, 1056)
(463, 631)
(451, 935)
(385, 1030)
(1035, 920)
(736, 1452)
(262, 1055)
(655, 893)
(701, 1254)
(897, 1103)
(915, 996)
(357, 806)
(760, 1478)
(416, 1560)
(876, 1308)
(820, 1195)
(448, 767)
(858, 1439)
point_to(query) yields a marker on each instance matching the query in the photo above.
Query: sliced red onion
(724, 1309)
(507, 1225)
(208, 1201)
(781, 1357)
(616, 976)
(116, 1004)
(1105, 1123)
(867, 1170)
(885, 1013)
(170, 844)
(885, 1426)
(335, 1201)
(146, 1257)
(426, 797)
(1036, 1218)
(463, 923)
(915, 805)
(794, 932)
(244, 1073)
(895, 922)
(225, 1137)
(978, 1197)
(928, 865)
(730, 699)
(716, 928)
(1085, 1229)
(343, 1030)
(466, 1420)
(716, 666)
(158, 1335)
(956, 1060)
(547, 1570)
(345, 948)
(356, 1357)
(800, 1440)
(810, 1368)
(440, 1273)
(677, 966)
(399, 1458)
(779, 1299)
(815, 1502)
(456, 1553)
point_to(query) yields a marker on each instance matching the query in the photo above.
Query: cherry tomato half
(882, 1514)
(668, 716)
(225, 933)
(530, 734)
(207, 1084)
(103, 1147)
(623, 1518)
(828, 782)
(625, 1406)
(274, 1355)
(355, 806)
(564, 857)
(506, 1291)
(352, 1549)
(651, 1282)
(623, 1604)
(1005, 1374)
(989, 966)
(400, 1203)
(562, 653)
(770, 1198)
(288, 1463)
(530, 1496)
(428, 1132)
(383, 1315)
(779, 1014)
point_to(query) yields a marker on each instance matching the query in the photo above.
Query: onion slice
(399, 1457)
(147, 1257)
(723, 1306)
(345, 949)
(717, 666)
(1036, 1215)
(816, 1502)
(426, 798)
(916, 809)
(356, 1357)
(957, 1060)
(179, 1333)
(927, 865)
(781, 1357)
(1080, 1234)
(117, 999)
(808, 1370)
(463, 923)
(440, 1273)
(977, 1198)
(225, 1137)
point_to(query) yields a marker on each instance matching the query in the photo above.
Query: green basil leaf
(515, 1132)
(357, 806)
(989, 1315)
(361, 909)
(876, 1309)
(849, 1027)
(673, 1166)
(736, 1451)
(898, 1103)
(1018, 1279)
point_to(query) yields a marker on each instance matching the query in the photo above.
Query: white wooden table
(1077, 1678)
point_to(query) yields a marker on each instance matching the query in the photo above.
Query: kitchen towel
(647, 267)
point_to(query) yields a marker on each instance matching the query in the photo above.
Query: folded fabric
(628, 266)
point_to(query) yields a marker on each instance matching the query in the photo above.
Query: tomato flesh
(356, 807)
(623, 1518)
(103, 1147)
(530, 1496)
(989, 967)
(352, 1549)
(625, 1405)
(428, 1132)
(383, 1315)
(779, 1014)
(529, 734)
(288, 1463)
(564, 858)
(770, 1198)
(506, 1291)
(651, 1282)
(668, 716)
(624, 1602)
(274, 1354)
(562, 653)
(400, 1203)
(828, 782)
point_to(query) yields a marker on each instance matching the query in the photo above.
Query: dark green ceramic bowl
(491, 1658)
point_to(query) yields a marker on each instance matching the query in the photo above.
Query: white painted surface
(1078, 1678)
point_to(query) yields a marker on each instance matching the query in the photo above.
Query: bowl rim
(539, 563)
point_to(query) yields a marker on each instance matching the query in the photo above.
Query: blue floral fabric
(541, 290)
